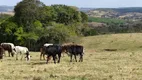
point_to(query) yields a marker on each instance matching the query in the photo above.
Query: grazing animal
(1, 52)
(53, 50)
(42, 50)
(65, 46)
(22, 51)
(75, 50)
(8, 47)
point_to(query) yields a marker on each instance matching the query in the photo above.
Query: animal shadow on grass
(9, 59)
(39, 63)
(42, 63)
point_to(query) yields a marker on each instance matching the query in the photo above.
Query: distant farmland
(8, 13)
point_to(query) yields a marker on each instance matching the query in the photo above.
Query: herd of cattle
(51, 50)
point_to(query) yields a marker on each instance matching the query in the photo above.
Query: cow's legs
(4, 54)
(41, 55)
(63, 54)
(12, 54)
(81, 58)
(48, 58)
(54, 58)
(9, 53)
(71, 58)
(22, 56)
(59, 56)
(75, 58)
(16, 56)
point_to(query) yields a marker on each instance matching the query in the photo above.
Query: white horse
(22, 51)
(42, 50)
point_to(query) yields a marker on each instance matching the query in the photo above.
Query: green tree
(66, 14)
(27, 11)
(57, 33)
(47, 15)
(7, 29)
(84, 17)
(34, 24)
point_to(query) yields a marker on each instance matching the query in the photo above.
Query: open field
(124, 63)
(121, 42)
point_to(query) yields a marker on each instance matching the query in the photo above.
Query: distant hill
(134, 13)
(6, 8)
(85, 9)
(128, 9)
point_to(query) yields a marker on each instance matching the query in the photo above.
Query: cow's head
(13, 52)
(28, 56)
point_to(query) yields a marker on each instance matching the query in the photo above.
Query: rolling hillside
(133, 13)
(6, 8)
(122, 42)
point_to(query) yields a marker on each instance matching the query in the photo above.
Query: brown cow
(75, 50)
(65, 46)
(8, 47)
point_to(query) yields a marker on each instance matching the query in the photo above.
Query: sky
(84, 3)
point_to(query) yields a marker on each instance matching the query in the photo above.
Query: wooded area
(34, 24)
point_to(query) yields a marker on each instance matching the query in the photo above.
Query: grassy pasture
(123, 64)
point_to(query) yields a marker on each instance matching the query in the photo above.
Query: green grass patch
(106, 20)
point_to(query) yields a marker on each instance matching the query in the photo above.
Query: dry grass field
(124, 63)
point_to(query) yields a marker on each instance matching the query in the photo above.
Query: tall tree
(7, 29)
(66, 14)
(84, 17)
(27, 11)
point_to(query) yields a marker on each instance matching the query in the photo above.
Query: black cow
(42, 50)
(75, 50)
(53, 50)
(1, 52)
